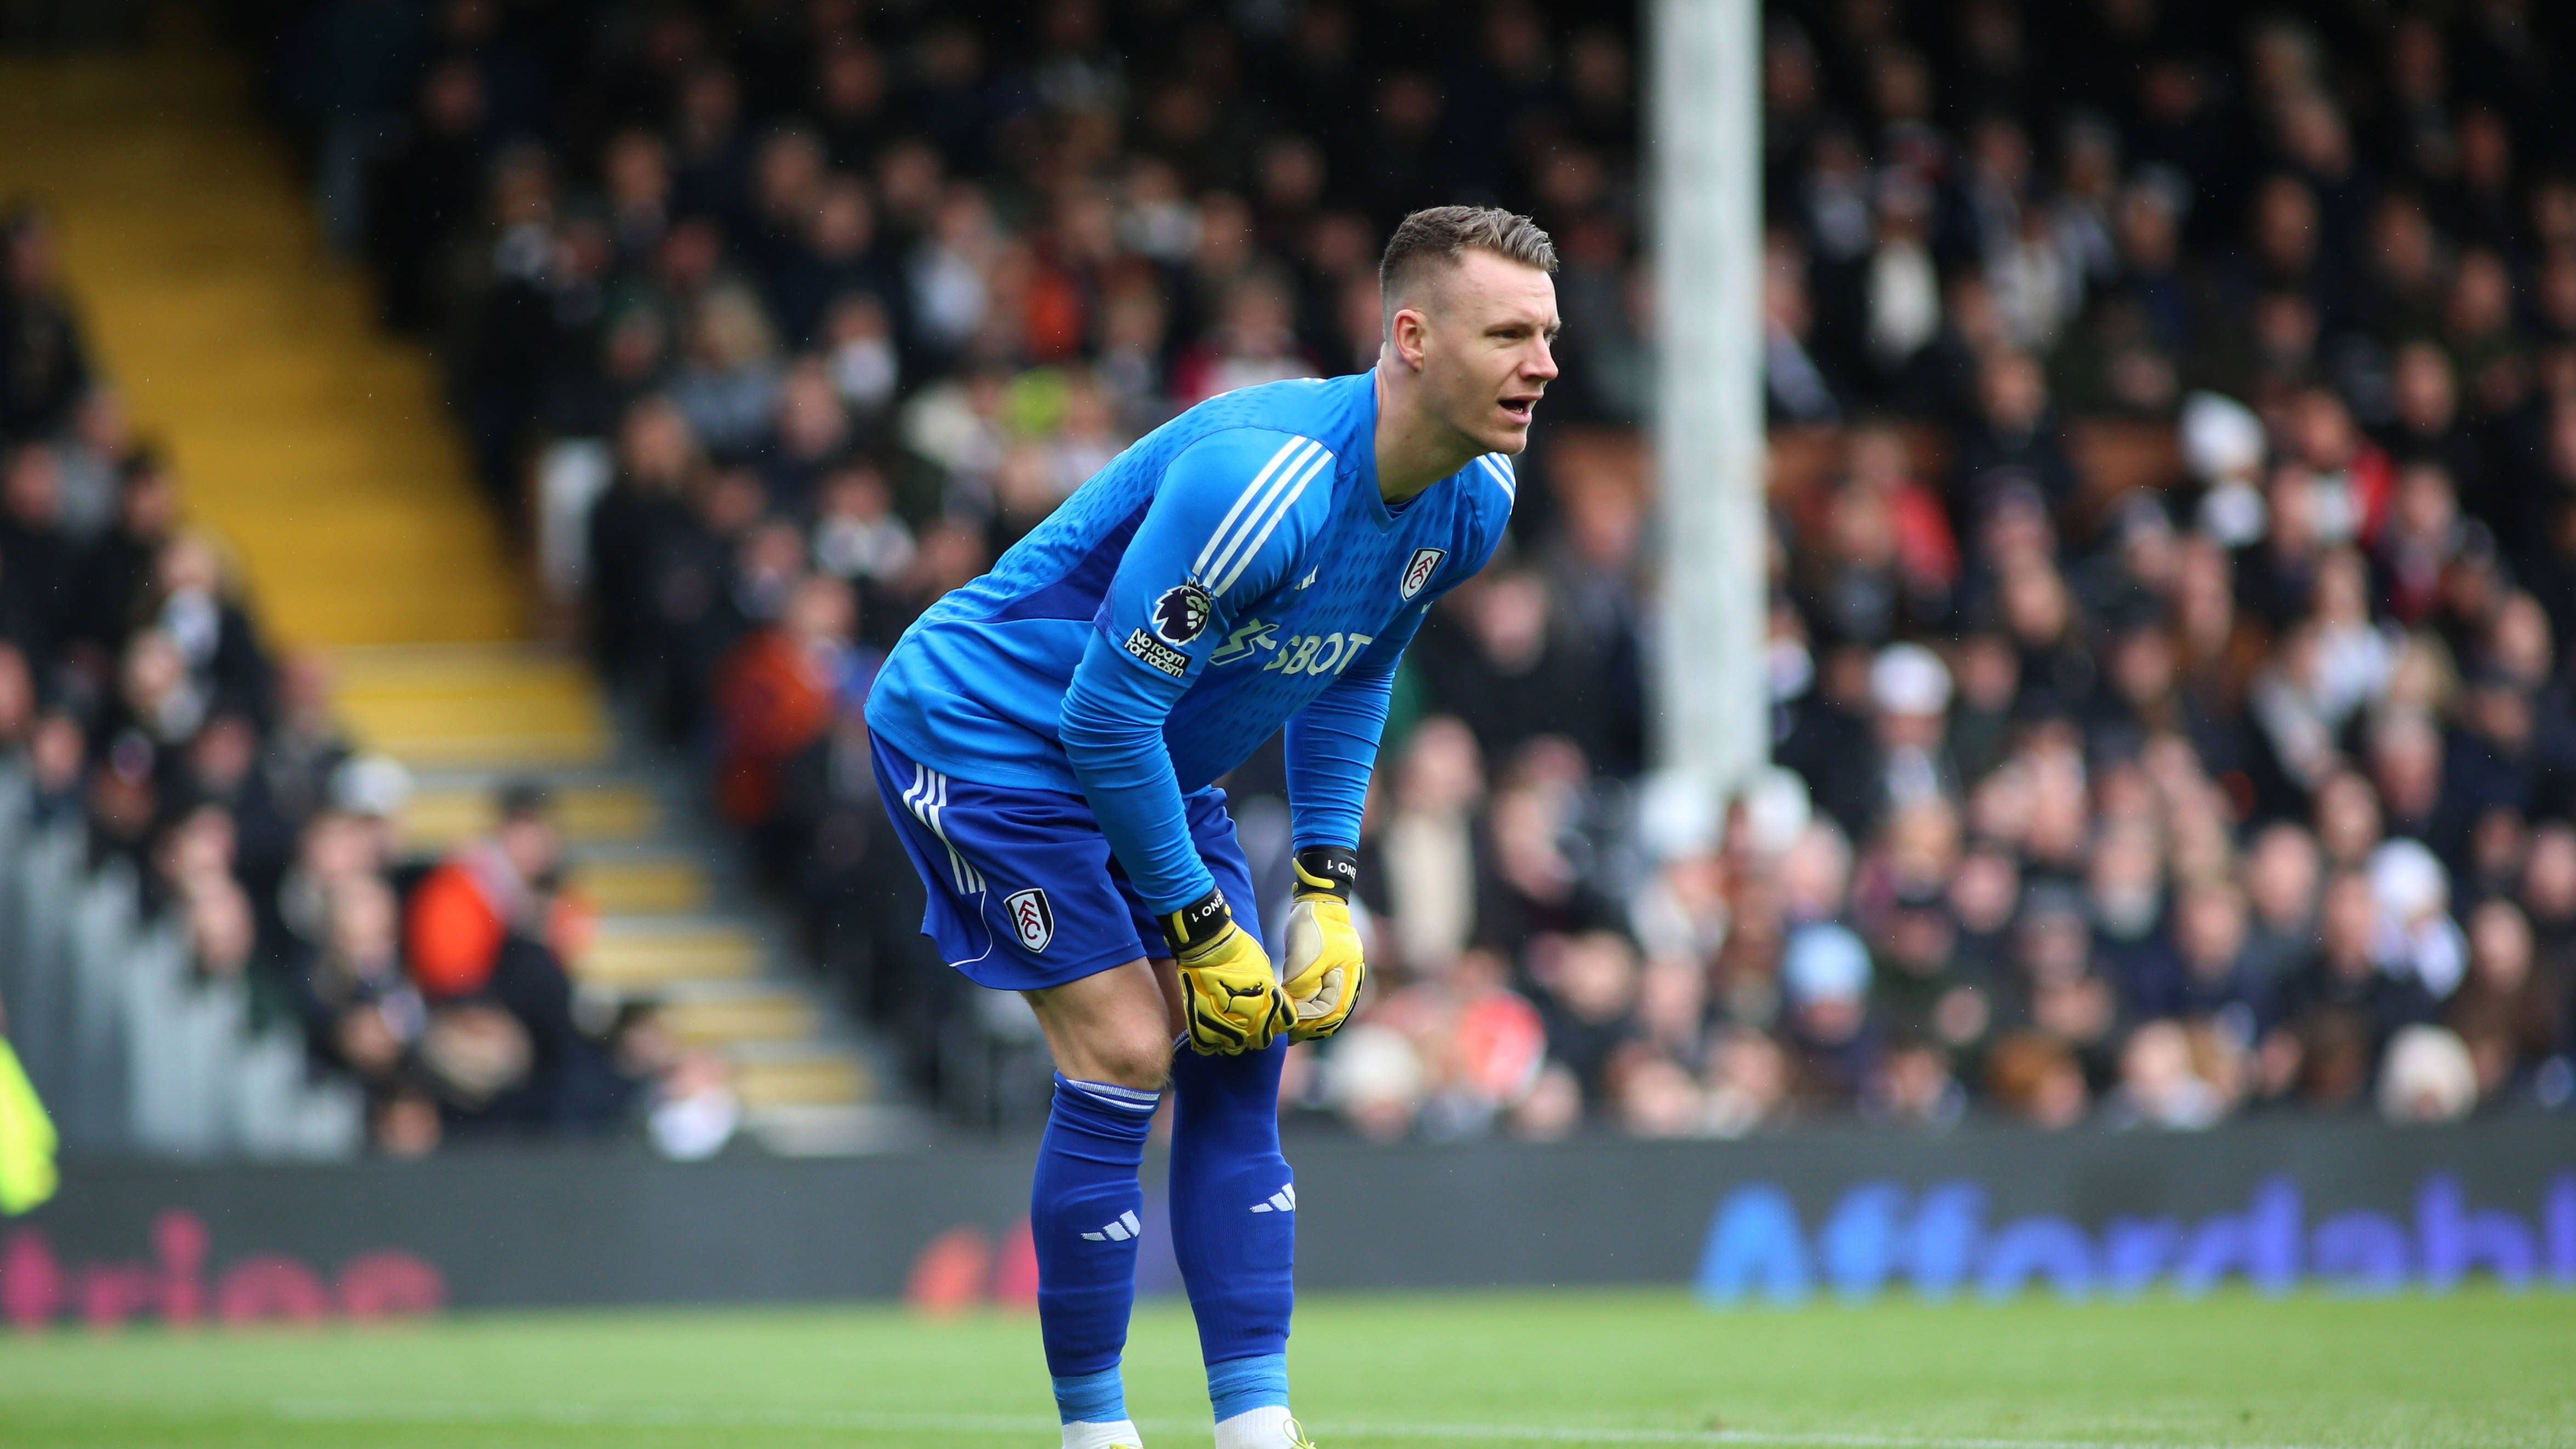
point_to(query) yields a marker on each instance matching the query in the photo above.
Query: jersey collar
(1364, 454)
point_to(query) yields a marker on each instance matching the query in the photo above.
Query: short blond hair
(1440, 235)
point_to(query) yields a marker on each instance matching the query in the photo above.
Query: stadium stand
(318, 452)
(2170, 544)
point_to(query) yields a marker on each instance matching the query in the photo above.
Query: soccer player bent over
(1046, 739)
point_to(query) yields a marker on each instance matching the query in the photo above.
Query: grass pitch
(1592, 1368)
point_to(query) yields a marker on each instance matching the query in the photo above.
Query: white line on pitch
(1555, 1434)
(631, 1416)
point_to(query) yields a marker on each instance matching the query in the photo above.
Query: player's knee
(1138, 1057)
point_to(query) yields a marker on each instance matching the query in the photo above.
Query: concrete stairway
(676, 923)
(315, 444)
(318, 447)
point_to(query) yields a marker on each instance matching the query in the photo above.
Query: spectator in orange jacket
(776, 693)
(464, 909)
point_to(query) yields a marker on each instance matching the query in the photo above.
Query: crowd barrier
(2352, 1205)
(131, 1048)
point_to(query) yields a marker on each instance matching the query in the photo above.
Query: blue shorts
(1023, 890)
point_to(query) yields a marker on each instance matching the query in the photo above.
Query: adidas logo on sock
(1282, 1201)
(1118, 1232)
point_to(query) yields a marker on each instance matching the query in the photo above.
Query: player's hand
(1323, 956)
(1230, 997)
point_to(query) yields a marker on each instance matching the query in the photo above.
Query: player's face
(1488, 349)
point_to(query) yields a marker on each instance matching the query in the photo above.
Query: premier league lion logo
(1182, 612)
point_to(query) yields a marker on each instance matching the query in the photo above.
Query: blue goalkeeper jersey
(1233, 572)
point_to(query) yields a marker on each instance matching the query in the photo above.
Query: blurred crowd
(830, 303)
(141, 707)
(2173, 527)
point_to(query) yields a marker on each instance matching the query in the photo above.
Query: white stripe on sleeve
(1250, 491)
(1266, 508)
(1316, 465)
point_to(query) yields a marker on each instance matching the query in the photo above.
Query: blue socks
(1234, 1222)
(1234, 1232)
(1099, 1398)
(1241, 1385)
(1082, 1219)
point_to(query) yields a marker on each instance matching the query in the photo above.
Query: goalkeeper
(1047, 738)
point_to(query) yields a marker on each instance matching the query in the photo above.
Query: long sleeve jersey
(1233, 572)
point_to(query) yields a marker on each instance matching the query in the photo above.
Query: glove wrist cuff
(1197, 923)
(1327, 870)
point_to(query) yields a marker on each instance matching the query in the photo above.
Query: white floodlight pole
(1704, 134)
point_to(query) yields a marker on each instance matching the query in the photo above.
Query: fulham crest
(1418, 572)
(1031, 917)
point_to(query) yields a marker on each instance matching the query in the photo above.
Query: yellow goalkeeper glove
(26, 1140)
(1229, 995)
(1323, 955)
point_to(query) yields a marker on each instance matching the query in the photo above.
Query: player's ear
(1407, 331)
